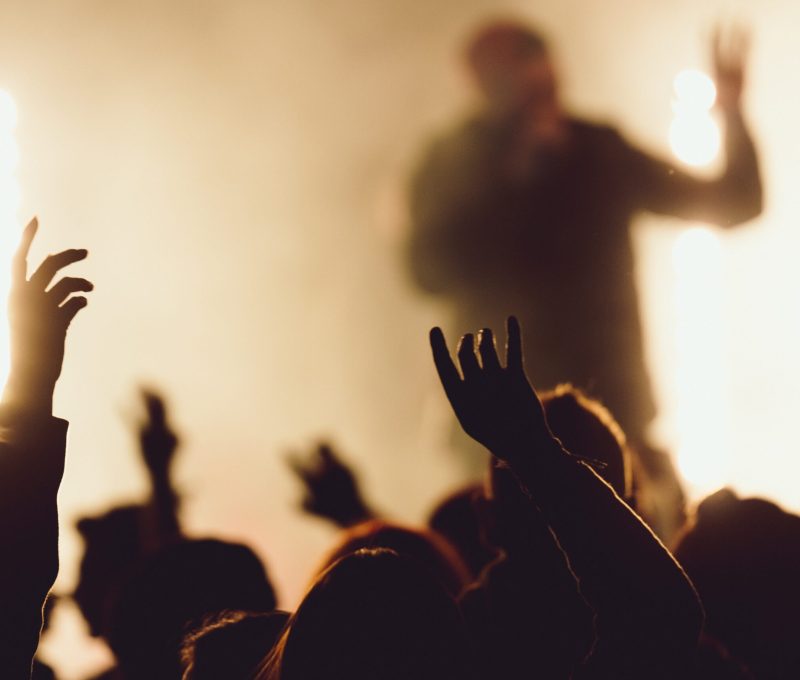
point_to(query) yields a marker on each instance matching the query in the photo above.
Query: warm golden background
(236, 170)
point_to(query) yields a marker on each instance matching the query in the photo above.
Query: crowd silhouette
(550, 567)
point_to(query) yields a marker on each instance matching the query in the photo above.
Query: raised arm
(159, 442)
(32, 447)
(736, 195)
(648, 614)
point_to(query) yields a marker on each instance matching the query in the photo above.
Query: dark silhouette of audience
(171, 592)
(542, 571)
(743, 555)
(424, 546)
(456, 518)
(373, 614)
(231, 645)
(124, 535)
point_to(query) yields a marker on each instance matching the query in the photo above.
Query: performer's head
(511, 65)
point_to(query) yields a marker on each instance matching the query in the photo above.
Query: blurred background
(236, 169)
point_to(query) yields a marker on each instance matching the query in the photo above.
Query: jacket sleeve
(32, 450)
(733, 197)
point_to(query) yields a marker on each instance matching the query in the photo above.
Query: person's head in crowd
(171, 592)
(743, 556)
(424, 546)
(456, 518)
(587, 429)
(373, 615)
(511, 65)
(112, 545)
(231, 645)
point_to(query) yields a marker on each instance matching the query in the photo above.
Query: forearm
(647, 610)
(161, 524)
(27, 392)
(31, 466)
(740, 188)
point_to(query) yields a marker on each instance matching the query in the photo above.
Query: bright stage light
(694, 136)
(700, 375)
(695, 140)
(695, 89)
(8, 112)
(10, 197)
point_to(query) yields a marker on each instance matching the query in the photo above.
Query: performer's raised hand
(729, 52)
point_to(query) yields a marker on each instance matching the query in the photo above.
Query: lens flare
(694, 136)
(695, 89)
(10, 196)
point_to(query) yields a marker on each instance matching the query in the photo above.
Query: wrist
(29, 392)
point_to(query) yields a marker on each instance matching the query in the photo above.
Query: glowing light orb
(695, 140)
(694, 136)
(695, 89)
(696, 250)
(10, 197)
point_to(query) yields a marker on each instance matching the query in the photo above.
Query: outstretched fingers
(513, 345)
(71, 307)
(326, 455)
(448, 373)
(67, 286)
(488, 351)
(53, 263)
(299, 466)
(467, 358)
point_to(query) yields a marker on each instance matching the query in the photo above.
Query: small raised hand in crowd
(158, 444)
(331, 489)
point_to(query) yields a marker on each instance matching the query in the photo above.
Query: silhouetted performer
(524, 209)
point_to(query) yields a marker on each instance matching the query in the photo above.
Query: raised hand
(39, 315)
(729, 51)
(157, 439)
(495, 404)
(331, 489)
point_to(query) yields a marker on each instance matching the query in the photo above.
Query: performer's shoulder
(596, 130)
